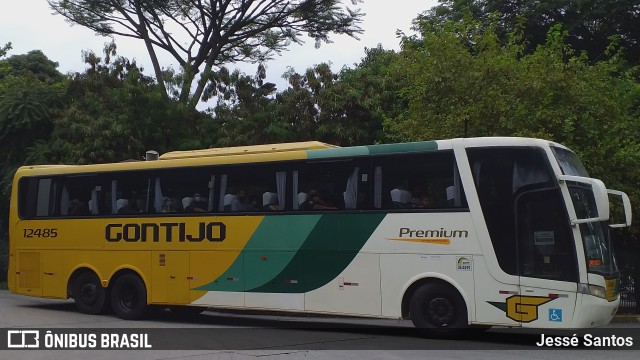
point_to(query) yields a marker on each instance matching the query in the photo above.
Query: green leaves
(216, 33)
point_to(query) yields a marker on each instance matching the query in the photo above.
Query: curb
(626, 318)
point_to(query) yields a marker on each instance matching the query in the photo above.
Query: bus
(454, 233)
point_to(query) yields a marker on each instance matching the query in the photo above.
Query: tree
(5, 49)
(460, 79)
(34, 63)
(30, 90)
(339, 108)
(245, 113)
(202, 35)
(112, 112)
(590, 23)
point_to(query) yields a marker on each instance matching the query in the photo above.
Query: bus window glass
(130, 193)
(184, 191)
(420, 181)
(546, 246)
(332, 185)
(81, 196)
(569, 162)
(46, 196)
(500, 175)
(254, 189)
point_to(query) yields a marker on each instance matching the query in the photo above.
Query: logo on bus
(522, 308)
(464, 264)
(166, 232)
(440, 236)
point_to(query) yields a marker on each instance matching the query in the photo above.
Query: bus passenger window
(254, 189)
(417, 182)
(185, 191)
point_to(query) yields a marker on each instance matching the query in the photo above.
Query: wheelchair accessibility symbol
(555, 315)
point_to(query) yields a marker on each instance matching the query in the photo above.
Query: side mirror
(590, 199)
(626, 207)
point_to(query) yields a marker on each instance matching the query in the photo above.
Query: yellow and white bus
(449, 233)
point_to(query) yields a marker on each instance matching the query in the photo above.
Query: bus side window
(260, 188)
(417, 181)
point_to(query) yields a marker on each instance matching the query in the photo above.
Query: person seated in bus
(315, 202)
(78, 208)
(122, 206)
(425, 202)
(194, 204)
(238, 203)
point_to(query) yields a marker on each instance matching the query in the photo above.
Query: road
(223, 335)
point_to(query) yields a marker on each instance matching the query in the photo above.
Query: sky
(31, 25)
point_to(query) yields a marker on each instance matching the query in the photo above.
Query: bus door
(531, 236)
(547, 262)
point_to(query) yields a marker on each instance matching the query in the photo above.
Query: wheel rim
(89, 293)
(128, 297)
(440, 312)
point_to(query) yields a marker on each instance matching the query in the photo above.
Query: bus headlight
(593, 290)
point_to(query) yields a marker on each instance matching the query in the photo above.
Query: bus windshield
(569, 162)
(597, 246)
(598, 251)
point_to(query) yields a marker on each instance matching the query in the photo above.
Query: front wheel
(438, 309)
(129, 297)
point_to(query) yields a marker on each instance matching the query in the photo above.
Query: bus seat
(186, 201)
(93, 208)
(122, 206)
(269, 198)
(228, 199)
(302, 197)
(401, 199)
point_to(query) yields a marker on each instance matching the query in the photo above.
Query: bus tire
(129, 297)
(88, 294)
(438, 309)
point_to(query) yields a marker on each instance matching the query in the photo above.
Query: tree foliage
(30, 89)
(590, 23)
(340, 108)
(113, 112)
(202, 35)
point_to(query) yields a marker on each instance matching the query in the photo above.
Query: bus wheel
(438, 309)
(89, 295)
(129, 297)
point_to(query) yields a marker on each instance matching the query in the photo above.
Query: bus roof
(276, 152)
(243, 150)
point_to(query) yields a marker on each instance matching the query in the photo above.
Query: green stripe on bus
(269, 250)
(403, 148)
(329, 249)
(372, 150)
(338, 152)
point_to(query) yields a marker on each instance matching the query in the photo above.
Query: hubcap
(89, 293)
(440, 312)
(128, 297)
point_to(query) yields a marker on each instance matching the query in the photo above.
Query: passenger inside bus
(194, 204)
(238, 203)
(78, 208)
(315, 202)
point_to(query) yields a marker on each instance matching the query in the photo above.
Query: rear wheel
(438, 309)
(129, 297)
(89, 295)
